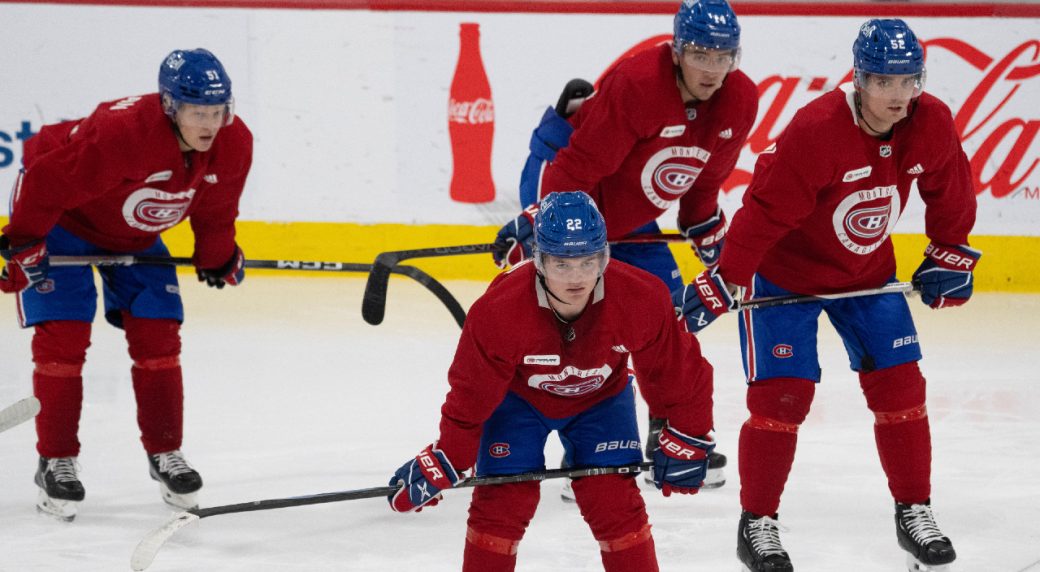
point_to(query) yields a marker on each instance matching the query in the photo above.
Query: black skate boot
(927, 549)
(178, 481)
(758, 544)
(716, 476)
(60, 488)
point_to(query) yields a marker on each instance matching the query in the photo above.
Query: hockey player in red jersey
(665, 126)
(109, 184)
(817, 219)
(547, 348)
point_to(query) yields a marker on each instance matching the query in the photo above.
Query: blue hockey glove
(703, 300)
(515, 240)
(945, 277)
(681, 462)
(707, 237)
(233, 272)
(422, 479)
(552, 134)
(27, 265)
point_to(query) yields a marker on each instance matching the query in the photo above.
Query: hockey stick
(412, 272)
(373, 304)
(770, 301)
(149, 546)
(19, 412)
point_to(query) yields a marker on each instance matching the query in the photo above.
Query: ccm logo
(783, 351)
(904, 341)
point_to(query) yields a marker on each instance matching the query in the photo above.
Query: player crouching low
(545, 349)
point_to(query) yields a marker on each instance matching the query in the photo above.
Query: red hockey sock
(488, 553)
(498, 517)
(768, 440)
(155, 347)
(896, 395)
(59, 350)
(634, 551)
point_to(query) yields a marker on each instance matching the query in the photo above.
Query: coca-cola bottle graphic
(471, 122)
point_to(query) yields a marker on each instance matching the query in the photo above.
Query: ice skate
(60, 488)
(758, 545)
(567, 492)
(928, 550)
(178, 481)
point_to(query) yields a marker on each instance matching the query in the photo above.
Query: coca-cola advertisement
(471, 122)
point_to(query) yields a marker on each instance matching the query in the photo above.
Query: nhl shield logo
(886, 150)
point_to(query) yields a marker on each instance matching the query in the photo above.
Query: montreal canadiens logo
(783, 351)
(670, 173)
(584, 381)
(499, 450)
(152, 210)
(864, 219)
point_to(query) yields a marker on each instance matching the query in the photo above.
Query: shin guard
(59, 350)
(896, 395)
(155, 347)
(768, 440)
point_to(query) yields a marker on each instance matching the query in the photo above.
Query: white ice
(289, 392)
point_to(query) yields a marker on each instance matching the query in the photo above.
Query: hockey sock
(485, 552)
(498, 517)
(633, 551)
(896, 395)
(155, 348)
(768, 440)
(59, 350)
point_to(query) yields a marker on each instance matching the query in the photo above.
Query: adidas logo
(621, 349)
(211, 179)
(726, 134)
(915, 170)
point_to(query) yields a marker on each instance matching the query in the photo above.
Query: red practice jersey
(513, 341)
(822, 203)
(118, 178)
(637, 148)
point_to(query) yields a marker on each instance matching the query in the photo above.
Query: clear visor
(203, 116)
(709, 60)
(891, 86)
(577, 269)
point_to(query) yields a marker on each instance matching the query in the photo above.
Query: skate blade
(63, 510)
(714, 479)
(915, 565)
(185, 501)
(567, 493)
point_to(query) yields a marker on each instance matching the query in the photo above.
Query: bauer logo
(499, 450)
(783, 351)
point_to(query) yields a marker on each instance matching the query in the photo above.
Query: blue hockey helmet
(707, 24)
(568, 225)
(887, 47)
(194, 77)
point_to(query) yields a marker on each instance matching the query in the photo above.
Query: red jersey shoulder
(233, 147)
(930, 112)
(638, 292)
(511, 293)
(643, 86)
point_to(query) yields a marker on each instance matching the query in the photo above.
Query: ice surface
(289, 392)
